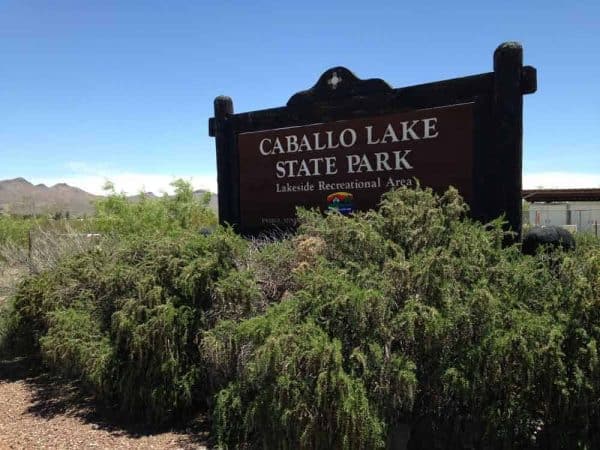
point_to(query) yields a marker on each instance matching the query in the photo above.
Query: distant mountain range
(19, 196)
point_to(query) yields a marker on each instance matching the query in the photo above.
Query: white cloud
(92, 179)
(564, 180)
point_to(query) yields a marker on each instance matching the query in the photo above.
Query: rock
(551, 236)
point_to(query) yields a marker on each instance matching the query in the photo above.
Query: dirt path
(38, 411)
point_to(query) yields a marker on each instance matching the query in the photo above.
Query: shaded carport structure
(561, 195)
(580, 207)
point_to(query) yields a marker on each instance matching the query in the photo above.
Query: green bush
(436, 325)
(118, 215)
(76, 345)
(333, 337)
(124, 318)
(14, 229)
(295, 393)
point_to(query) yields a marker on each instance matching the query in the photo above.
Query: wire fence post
(30, 250)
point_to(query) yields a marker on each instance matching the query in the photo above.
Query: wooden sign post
(344, 142)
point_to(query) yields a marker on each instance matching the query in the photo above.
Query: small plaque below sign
(347, 165)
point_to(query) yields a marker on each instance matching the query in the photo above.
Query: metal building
(577, 209)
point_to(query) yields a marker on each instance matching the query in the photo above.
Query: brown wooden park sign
(344, 142)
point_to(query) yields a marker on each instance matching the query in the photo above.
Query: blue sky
(122, 90)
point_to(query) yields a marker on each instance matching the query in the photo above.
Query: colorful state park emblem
(341, 201)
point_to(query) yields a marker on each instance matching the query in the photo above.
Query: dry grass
(9, 278)
(46, 248)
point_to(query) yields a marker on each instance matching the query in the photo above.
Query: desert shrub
(307, 399)
(34, 245)
(76, 345)
(9, 330)
(118, 215)
(434, 324)
(14, 229)
(124, 318)
(272, 261)
(332, 337)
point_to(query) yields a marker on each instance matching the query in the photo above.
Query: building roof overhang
(561, 195)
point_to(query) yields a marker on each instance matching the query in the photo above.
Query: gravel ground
(39, 411)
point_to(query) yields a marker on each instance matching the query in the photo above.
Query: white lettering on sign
(306, 167)
(347, 164)
(378, 162)
(348, 138)
(429, 125)
(330, 140)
